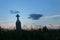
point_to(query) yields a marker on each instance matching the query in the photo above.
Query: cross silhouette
(17, 16)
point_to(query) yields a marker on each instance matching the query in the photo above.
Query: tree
(45, 28)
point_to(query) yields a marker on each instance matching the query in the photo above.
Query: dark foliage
(30, 35)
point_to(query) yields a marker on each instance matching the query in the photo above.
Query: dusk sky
(49, 9)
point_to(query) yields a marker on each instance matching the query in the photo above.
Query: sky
(50, 9)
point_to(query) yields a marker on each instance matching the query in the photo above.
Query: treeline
(43, 34)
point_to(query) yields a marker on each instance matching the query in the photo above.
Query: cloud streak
(51, 17)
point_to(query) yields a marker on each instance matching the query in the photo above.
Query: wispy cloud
(14, 11)
(50, 17)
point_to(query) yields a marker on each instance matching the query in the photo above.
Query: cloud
(51, 17)
(35, 16)
(14, 11)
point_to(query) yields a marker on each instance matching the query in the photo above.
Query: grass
(30, 35)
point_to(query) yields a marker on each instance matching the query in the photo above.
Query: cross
(17, 16)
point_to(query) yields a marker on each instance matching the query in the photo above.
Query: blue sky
(50, 9)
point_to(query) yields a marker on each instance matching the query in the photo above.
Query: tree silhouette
(45, 28)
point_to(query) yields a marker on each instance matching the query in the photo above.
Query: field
(45, 34)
